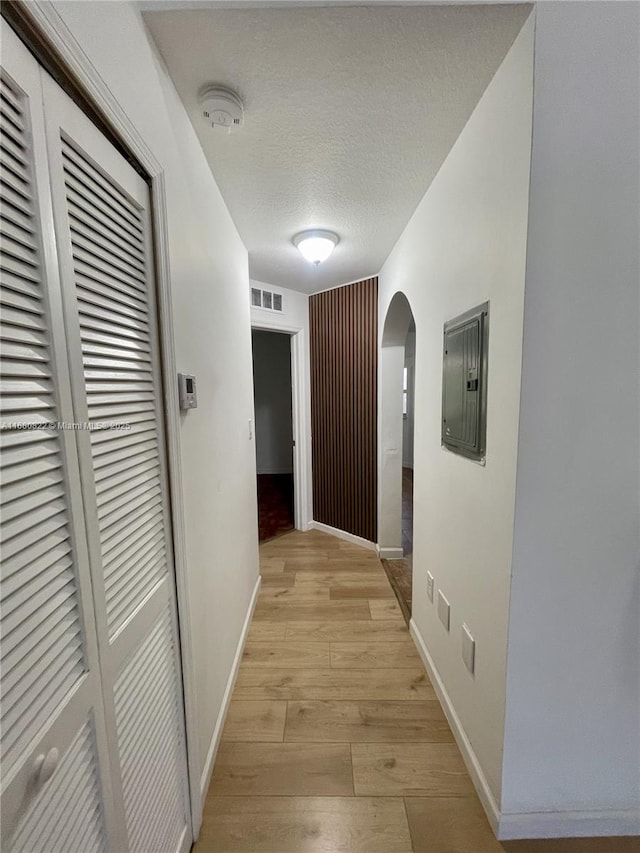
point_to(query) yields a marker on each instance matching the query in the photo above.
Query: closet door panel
(67, 817)
(102, 218)
(51, 690)
(147, 717)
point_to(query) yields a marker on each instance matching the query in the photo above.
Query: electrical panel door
(464, 383)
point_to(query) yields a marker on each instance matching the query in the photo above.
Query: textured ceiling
(349, 113)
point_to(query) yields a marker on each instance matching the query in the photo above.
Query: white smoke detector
(221, 109)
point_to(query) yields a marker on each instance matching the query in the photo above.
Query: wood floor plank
(333, 565)
(313, 579)
(260, 721)
(342, 592)
(297, 562)
(372, 655)
(328, 610)
(256, 682)
(450, 824)
(279, 579)
(265, 631)
(286, 769)
(365, 722)
(332, 581)
(301, 595)
(274, 564)
(287, 654)
(345, 631)
(304, 825)
(271, 571)
(385, 609)
(409, 769)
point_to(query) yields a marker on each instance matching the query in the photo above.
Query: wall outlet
(468, 649)
(430, 586)
(444, 609)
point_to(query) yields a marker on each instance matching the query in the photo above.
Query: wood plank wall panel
(344, 394)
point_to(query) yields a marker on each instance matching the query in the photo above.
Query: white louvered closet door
(101, 213)
(56, 786)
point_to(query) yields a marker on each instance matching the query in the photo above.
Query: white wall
(294, 319)
(210, 284)
(573, 715)
(407, 423)
(272, 402)
(465, 244)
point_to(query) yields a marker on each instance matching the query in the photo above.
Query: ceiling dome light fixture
(315, 246)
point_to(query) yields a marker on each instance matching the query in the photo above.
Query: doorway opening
(273, 432)
(397, 407)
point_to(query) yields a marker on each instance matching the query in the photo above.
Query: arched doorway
(395, 470)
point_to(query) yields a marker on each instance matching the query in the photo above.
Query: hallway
(335, 741)
(400, 572)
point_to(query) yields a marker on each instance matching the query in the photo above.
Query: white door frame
(46, 19)
(301, 419)
(394, 324)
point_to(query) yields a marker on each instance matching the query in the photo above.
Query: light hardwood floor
(335, 741)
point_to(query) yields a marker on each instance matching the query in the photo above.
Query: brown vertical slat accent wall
(344, 406)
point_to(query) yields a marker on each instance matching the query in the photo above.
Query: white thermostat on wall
(187, 391)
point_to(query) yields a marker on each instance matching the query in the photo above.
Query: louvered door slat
(100, 298)
(88, 275)
(144, 551)
(14, 229)
(126, 256)
(102, 188)
(81, 200)
(15, 537)
(16, 646)
(55, 625)
(110, 441)
(54, 821)
(95, 311)
(11, 119)
(140, 531)
(31, 503)
(115, 479)
(145, 734)
(20, 302)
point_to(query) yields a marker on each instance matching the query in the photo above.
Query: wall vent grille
(266, 299)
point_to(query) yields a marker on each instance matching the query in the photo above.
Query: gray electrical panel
(464, 383)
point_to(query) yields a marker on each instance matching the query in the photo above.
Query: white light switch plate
(468, 649)
(444, 609)
(430, 586)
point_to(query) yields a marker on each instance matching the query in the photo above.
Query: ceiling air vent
(266, 299)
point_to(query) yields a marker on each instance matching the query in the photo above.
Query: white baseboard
(470, 759)
(560, 824)
(217, 732)
(390, 553)
(342, 534)
(569, 824)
